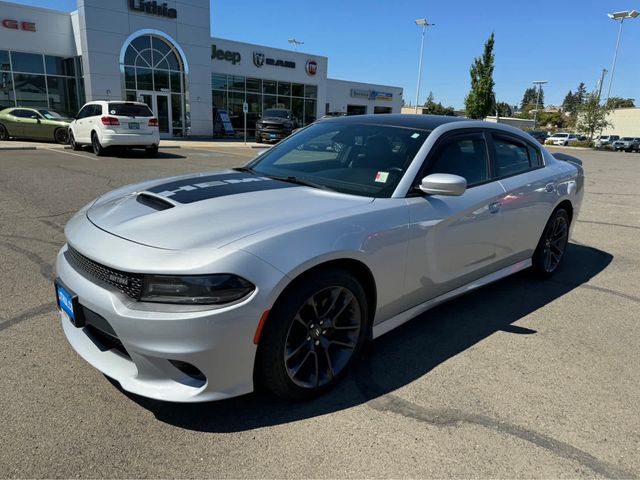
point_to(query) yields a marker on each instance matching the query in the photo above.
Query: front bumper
(218, 342)
(272, 135)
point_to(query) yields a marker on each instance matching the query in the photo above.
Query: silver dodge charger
(200, 287)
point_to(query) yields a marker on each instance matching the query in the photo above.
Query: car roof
(423, 122)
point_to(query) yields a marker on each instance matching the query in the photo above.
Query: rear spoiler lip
(567, 158)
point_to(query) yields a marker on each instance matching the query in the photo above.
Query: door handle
(550, 188)
(494, 207)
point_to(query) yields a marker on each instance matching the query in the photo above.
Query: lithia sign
(153, 8)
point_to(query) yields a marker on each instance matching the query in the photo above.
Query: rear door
(530, 194)
(454, 239)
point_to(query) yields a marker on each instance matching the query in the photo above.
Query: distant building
(514, 122)
(624, 122)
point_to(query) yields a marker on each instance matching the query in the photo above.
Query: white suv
(103, 124)
(562, 139)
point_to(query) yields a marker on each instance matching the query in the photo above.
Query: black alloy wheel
(312, 335)
(552, 245)
(61, 135)
(322, 337)
(72, 142)
(98, 149)
(4, 134)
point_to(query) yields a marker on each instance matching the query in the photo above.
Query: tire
(313, 334)
(98, 149)
(60, 135)
(4, 133)
(552, 245)
(72, 142)
(258, 138)
(151, 151)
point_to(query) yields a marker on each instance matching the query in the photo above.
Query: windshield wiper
(243, 169)
(299, 181)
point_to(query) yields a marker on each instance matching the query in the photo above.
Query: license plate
(273, 135)
(68, 303)
(134, 126)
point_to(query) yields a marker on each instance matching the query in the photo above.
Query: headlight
(195, 289)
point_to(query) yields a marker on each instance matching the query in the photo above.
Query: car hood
(210, 210)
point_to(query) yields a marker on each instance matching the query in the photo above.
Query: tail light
(110, 121)
(153, 122)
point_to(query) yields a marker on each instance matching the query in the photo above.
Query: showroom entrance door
(160, 105)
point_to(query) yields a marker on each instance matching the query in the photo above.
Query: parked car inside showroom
(34, 124)
(105, 124)
(275, 124)
(199, 287)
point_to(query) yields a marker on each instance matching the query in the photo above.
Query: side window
(84, 111)
(535, 157)
(22, 113)
(512, 157)
(464, 155)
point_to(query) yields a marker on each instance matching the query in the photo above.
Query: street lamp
(539, 83)
(618, 16)
(423, 22)
(295, 43)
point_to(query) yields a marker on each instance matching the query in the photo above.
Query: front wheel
(313, 334)
(72, 142)
(258, 137)
(4, 134)
(98, 149)
(552, 245)
(61, 135)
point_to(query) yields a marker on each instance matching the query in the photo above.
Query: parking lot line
(71, 153)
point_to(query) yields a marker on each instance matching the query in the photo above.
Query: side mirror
(443, 184)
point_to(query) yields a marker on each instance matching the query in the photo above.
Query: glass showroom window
(230, 91)
(36, 80)
(153, 72)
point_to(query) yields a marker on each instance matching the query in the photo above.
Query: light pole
(425, 24)
(539, 83)
(618, 16)
(295, 43)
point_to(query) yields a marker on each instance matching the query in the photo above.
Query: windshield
(273, 112)
(561, 135)
(51, 115)
(627, 139)
(129, 110)
(359, 159)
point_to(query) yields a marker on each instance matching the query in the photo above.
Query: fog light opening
(189, 370)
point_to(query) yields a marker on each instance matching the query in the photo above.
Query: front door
(455, 240)
(160, 105)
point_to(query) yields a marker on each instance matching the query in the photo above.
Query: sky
(563, 41)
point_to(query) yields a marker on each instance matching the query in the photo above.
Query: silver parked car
(191, 288)
(628, 144)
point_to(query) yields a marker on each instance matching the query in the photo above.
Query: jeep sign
(227, 55)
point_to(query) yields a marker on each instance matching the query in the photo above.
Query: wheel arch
(568, 206)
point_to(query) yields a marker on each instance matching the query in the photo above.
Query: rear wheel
(313, 334)
(552, 245)
(4, 134)
(61, 135)
(98, 149)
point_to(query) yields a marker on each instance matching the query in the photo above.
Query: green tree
(481, 99)
(433, 108)
(617, 102)
(591, 116)
(581, 94)
(530, 97)
(503, 109)
(569, 102)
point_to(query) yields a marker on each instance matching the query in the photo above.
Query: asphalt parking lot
(519, 379)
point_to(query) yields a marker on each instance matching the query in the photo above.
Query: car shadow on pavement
(139, 153)
(401, 356)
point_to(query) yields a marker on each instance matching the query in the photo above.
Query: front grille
(128, 283)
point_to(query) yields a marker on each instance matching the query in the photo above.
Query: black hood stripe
(195, 189)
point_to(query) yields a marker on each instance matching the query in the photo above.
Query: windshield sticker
(112, 112)
(415, 135)
(381, 177)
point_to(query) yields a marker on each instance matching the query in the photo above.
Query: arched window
(153, 73)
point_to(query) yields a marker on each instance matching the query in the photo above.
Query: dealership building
(162, 53)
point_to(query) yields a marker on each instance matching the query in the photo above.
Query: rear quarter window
(129, 110)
